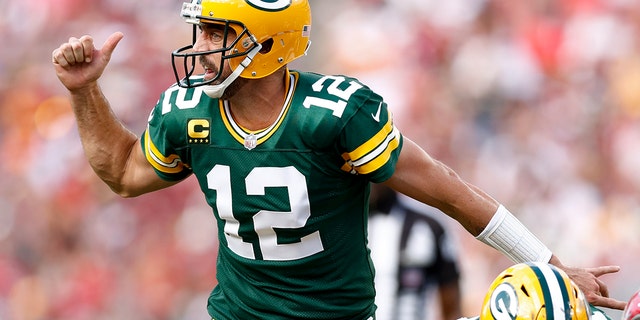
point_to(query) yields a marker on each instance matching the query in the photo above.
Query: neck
(259, 102)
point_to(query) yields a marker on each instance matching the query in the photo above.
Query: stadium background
(537, 102)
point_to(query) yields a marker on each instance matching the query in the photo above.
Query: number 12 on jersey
(264, 221)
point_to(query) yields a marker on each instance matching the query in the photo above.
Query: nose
(201, 44)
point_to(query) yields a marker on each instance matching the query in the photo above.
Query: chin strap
(216, 91)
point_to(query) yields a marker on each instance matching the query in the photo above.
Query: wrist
(508, 235)
(88, 88)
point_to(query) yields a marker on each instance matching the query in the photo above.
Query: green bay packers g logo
(504, 302)
(270, 5)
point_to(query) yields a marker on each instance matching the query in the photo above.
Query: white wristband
(509, 236)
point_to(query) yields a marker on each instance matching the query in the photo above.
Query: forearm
(107, 143)
(470, 206)
(430, 181)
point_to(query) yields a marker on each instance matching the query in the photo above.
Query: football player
(284, 158)
(536, 291)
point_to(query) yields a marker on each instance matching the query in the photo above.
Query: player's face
(212, 37)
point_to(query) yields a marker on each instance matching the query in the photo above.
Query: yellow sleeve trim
(171, 164)
(382, 158)
(372, 143)
(375, 152)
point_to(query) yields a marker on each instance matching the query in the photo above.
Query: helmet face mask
(186, 58)
(270, 34)
(534, 291)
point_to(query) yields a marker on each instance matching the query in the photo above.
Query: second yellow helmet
(534, 291)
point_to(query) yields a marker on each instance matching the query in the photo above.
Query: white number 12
(219, 179)
(336, 106)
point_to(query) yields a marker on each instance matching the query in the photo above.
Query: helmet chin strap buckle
(216, 91)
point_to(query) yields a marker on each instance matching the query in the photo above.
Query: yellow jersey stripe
(239, 133)
(375, 152)
(375, 141)
(379, 156)
(170, 164)
(227, 124)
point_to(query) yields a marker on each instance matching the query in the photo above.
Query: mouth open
(209, 73)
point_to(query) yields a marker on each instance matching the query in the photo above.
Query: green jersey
(291, 201)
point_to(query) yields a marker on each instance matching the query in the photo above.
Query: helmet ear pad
(266, 46)
(276, 52)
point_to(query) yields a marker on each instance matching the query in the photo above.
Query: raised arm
(113, 151)
(423, 178)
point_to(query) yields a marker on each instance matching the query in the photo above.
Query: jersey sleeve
(371, 141)
(163, 147)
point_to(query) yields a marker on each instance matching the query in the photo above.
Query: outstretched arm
(423, 178)
(428, 180)
(113, 151)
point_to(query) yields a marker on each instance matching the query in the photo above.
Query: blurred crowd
(537, 102)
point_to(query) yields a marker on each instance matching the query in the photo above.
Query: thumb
(111, 43)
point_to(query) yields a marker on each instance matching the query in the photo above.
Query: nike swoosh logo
(376, 116)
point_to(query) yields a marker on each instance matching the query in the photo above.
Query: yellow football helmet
(270, 34)
(534, 291)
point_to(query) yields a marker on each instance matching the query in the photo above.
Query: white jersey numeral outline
(264, 221)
